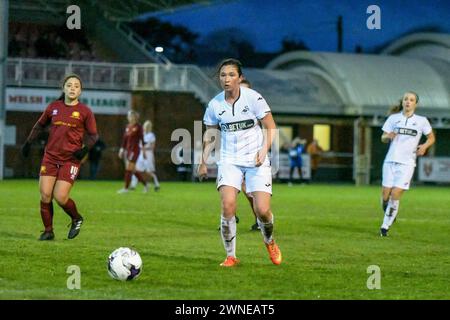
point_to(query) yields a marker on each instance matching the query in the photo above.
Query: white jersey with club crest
(241, 134)
(409, 130)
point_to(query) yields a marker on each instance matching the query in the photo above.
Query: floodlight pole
(362, 154)
(3, 63)
(339, 33)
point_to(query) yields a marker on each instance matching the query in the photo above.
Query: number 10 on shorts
(73, 172)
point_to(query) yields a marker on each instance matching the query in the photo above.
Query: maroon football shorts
(67, 171)
(132, 155)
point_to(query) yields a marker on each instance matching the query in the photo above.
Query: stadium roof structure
(421, 45)
(433, 48)
(293, 92)
(369, 84)
(114, 10)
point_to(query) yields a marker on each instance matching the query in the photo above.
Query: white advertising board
(434, 169)
(36, 100)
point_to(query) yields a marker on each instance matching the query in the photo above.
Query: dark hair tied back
(399, 107)
(67, 77)
(230, 62)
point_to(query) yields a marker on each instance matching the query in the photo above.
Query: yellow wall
(322, 133)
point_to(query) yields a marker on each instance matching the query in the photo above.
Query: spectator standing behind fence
(315, 152)
(295, 158)
(95, 154)
(182, 167)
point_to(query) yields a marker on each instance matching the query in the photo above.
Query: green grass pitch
(328, 234)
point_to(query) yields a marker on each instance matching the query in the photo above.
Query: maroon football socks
(47, 215)
(140, 177)
(128, 175)
(71, 209)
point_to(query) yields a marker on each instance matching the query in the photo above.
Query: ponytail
(396, 108)
(399, 107)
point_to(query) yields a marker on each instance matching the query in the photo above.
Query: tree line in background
(184, 46)
(181, 45)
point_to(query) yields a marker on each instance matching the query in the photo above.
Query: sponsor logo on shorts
(268, 185)
(43, 169)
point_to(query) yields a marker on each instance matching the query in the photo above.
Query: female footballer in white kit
(146, 163)
(243, 153)
(403, 130)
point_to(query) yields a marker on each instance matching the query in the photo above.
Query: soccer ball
(124, 264)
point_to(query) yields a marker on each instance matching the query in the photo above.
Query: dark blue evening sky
(267, 22)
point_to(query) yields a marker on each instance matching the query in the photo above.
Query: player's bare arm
(268, 134)
(422, 148)
(387, 137)
(209, 140)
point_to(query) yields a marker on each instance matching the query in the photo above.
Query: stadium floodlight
(159, 49)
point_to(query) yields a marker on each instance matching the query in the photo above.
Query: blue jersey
(295, 155)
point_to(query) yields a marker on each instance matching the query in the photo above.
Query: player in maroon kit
(132, 140)
(69, 120)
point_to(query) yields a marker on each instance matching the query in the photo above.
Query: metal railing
(142, 44)
(112, 76)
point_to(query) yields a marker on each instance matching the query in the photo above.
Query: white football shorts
(256, 178)
(146, 165)
(397, 175)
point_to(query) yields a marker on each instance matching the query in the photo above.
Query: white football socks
(266, 229)
(228, 232)
(134, 182)
(384, 204)
(391, 213)
(155, 180)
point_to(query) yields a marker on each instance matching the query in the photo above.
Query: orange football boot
(230, 262)
(274, 252)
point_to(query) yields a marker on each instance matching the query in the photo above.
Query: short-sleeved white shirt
(409, 130)
(149, 138)
(241, 135)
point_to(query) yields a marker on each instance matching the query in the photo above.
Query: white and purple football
(124, 264)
